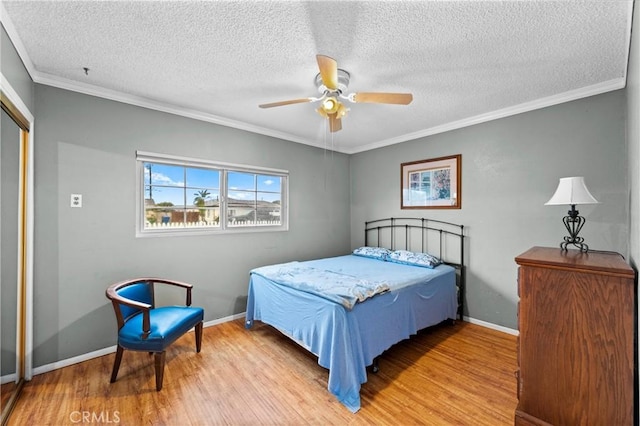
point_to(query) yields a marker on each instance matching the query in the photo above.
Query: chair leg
(198, 336)
(159, 363)
(116, 363)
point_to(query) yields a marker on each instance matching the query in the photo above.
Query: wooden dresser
(576, 349)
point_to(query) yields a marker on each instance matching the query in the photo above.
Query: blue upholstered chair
(144, 327)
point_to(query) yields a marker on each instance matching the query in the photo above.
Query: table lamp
(572, 191)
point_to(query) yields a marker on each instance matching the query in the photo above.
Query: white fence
(173, 225)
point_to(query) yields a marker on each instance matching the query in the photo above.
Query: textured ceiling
(465, 62)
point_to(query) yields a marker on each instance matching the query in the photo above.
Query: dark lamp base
(574, 223)
(581, 246)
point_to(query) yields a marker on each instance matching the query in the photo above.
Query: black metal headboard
(442, 239)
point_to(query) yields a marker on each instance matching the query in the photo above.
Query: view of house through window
(253, 199)
(179, 196)
(184, 196)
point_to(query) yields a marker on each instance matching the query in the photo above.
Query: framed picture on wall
(431, 184)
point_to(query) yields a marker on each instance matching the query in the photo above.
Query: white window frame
(224, 168)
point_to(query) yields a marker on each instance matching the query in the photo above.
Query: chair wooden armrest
(113, 288)
(184, 285)
(111, 294)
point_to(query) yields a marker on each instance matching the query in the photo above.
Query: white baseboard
(74, 360)
(491, 325)
(111, 349)
(225, 319)
(8, 378)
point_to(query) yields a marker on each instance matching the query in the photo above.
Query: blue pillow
(380, 253)
(405, 257)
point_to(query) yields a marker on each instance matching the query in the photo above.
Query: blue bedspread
(335, 286)
(346, 341)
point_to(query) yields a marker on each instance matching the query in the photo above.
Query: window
(182, 195)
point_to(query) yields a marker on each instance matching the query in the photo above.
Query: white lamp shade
(571, 190)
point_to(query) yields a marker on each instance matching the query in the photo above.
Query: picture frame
(435, 183)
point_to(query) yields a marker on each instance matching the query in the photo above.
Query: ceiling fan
(332, 82)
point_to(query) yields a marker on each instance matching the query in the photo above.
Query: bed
(347, 310)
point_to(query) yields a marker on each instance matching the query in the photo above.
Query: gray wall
(87, 145)
(14, 70)
(510, 168)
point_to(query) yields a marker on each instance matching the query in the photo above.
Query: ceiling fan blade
(383, 98)
(282, 103)
(335, 123)
(328, 71)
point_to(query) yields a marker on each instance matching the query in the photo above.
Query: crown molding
(114, 95)
(88, 89)
(572, 95)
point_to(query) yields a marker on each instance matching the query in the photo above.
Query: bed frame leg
(375, 366)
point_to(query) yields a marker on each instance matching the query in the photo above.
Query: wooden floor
(460, 374)
(5, 392)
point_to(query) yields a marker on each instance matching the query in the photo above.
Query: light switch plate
(76, 200)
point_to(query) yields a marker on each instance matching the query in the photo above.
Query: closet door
(16, 246)
(9, 226)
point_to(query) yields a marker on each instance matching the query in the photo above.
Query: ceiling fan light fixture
(341, 111)
(330, 105)
(322, 112)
